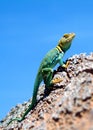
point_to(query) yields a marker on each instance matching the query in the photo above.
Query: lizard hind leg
(47, 74)
(49, 81)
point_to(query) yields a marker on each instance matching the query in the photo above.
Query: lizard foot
(57, 80)
(66, 65)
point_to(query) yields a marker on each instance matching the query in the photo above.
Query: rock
(69, 104)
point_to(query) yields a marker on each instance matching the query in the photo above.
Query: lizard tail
(33, 103)
(15, 119)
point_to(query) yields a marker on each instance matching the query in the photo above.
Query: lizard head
(65, 42)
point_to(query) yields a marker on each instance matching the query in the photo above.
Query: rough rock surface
(69, 104)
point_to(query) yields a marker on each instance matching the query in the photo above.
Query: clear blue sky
(28, 29)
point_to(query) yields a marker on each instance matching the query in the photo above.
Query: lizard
(45, 71)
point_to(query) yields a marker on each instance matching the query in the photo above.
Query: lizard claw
(57, 80)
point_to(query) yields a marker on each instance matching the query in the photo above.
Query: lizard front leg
(61, 62)
(64, 65)
(57, 79)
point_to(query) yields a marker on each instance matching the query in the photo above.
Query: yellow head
(65, 42)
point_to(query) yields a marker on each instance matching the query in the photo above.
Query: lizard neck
(59, 49)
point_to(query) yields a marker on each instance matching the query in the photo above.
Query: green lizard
(45, 71)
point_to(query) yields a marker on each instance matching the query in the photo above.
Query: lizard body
(45, 71)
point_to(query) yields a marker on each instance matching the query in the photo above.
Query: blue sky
(30, 28)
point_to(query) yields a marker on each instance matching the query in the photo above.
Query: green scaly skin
(45, 71)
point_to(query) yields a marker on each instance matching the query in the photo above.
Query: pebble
(41, 115)
(55, 116)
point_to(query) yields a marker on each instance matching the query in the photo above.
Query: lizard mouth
(72, 35)
(69, 35)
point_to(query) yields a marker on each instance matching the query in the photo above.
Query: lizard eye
(66, 36)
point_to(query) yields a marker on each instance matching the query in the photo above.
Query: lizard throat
(59, 49)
